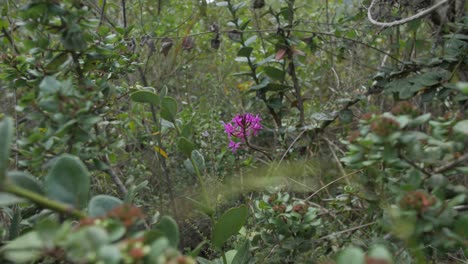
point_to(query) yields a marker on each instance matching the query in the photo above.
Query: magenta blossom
(241, 127)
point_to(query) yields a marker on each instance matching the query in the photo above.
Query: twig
(10, 39)
(347, 230)
(402, 21)
(451, 164)
(103, 8)
(291, 145)
(328, 184)
(410, 162)
(336, 159)
(115, 178)
(124, 13)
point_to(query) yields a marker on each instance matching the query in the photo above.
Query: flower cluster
(241, 127)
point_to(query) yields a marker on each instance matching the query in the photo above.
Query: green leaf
(110, 254)
(7, 199)
(250, 40)
(6, 136)
(346, 116)
(24, 249)
(381, 254)
(68, 181)
(245, 52)
(461, 226)
(169, 109)
(73, 38)
(26, 181)
(196, 251)
(185, 146)
(57, 61)
(15, 227)
(168, 227)
(274, 73)
(462, 87)
(461, 127)
(102, 204)
(157, 249)
(351, 255)
(49, 85)
(243, 254)
(228, 225)
(198, 159)
(145, 97)
(244, 25)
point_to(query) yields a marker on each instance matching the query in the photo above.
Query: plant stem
(43, 201)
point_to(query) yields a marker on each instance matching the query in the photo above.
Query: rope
(402, 21)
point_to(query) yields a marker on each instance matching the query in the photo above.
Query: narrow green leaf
(102, 204)
(245, 24)
(196, 251)
(228, 225)
(145, 97)
(6, 136)
(68, 181)
(250, 40)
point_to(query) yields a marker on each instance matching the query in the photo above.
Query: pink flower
(234, 146)
(241, 127)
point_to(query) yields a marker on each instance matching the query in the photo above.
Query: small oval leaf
(102, 204)
(145, 97)
(68, 181)
(26, 181)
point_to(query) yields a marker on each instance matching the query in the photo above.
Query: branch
(124, 13)
(451, 164)
(405, 20)
(414, 165)
(43, 201)
(10, 39)
(103, 8)
(115, 178)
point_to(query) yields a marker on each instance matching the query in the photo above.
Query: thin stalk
(43, 201)
(201, 182)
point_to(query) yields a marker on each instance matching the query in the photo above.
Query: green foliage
(128, 99)
(101, 204)
(283, 228)
(68, 181)
(229, 225)
(6, 134)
